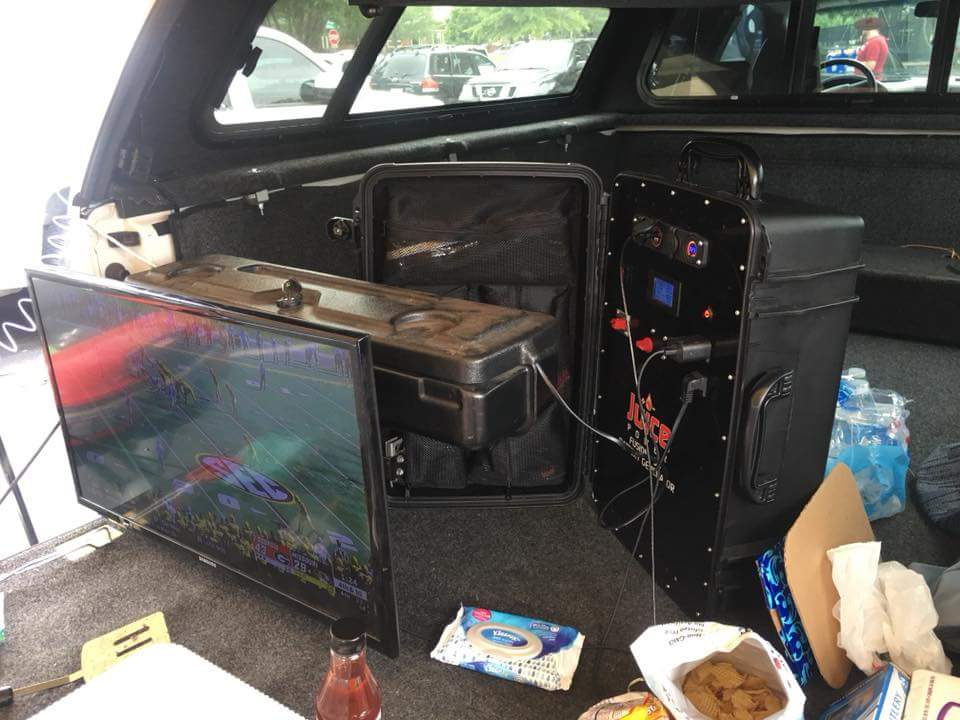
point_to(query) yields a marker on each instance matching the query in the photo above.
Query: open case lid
(369, 204)
(437, 226)
(210, 427)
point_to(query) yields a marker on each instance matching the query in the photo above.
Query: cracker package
(709, 671)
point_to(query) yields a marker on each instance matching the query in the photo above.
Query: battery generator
(733, 309)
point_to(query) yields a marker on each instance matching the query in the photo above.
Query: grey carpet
(553, 563)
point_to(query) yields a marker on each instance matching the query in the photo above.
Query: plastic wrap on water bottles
(870, 436)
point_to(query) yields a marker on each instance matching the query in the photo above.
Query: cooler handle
(749, 166)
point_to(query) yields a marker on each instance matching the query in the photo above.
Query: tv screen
(253, 443)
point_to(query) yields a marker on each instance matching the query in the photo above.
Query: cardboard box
(881, 696)
(933, 696)
(833, 517)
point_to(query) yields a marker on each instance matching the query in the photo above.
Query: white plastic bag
(911, 619)
(666, 653)
(860, 608)
(884, 608)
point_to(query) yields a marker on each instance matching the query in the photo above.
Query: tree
(417, 26)
(306, 20)
(507, 24)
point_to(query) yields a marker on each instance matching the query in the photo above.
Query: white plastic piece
(166, 681)
(884, 608)
(909, 634)
(860, 608)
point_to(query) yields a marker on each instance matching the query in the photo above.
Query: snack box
(882, 696)
(933, 696)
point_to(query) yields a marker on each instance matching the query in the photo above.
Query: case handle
(749, 166)
(766, 427)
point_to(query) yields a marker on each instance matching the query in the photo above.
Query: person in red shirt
(873, 53)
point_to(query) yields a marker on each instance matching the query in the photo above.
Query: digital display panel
(237, 439)
(663, 291)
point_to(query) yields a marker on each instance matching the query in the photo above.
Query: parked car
(442, 72)
(291, 82)
(540, 67)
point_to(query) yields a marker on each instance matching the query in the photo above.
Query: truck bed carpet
(553, 563)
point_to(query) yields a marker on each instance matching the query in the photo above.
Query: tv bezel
(387, 637)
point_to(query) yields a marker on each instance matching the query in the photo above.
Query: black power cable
(13, 484)
(634, 486)
(556, 393)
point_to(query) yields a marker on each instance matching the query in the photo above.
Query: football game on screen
(237, 442)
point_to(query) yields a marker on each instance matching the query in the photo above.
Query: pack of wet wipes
(522, 649)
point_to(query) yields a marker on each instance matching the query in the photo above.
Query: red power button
(645, 344)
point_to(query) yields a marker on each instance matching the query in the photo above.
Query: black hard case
(459, 371)
(783, 286)
(523, 235)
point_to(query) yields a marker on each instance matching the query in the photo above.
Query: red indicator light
(708, 313)
(692, 248)
(644, 344)
(618, 323)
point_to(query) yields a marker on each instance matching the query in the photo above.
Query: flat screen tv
(250, 442)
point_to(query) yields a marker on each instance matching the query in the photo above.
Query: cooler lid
(443, 338)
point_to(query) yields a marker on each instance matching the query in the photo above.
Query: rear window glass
(461, 55)
(893, 41)
(402, 66)
(882, 46)
(955, 70)
(723, 52)
(305, 46)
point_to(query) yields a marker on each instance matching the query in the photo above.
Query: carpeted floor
(552, 563)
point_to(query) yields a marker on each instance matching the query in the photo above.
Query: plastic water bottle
(349, 691)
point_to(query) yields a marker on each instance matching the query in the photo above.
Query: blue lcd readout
(663, 291)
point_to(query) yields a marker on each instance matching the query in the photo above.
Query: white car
(292, 82)
(531, 69)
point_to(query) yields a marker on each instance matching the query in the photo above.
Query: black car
(440, 72)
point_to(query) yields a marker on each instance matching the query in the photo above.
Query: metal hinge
(257, 199)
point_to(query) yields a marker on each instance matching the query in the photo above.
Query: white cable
(7, 327)
(646, 439)
(58, 240)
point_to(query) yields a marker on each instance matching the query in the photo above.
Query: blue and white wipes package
(522, 649)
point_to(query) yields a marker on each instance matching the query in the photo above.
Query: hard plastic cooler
(458, 371)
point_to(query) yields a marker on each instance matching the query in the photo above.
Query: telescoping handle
(749, 167)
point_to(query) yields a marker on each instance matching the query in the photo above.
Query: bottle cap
(348, 636)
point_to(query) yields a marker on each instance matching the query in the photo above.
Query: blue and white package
(522, 649)
(783, 610)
